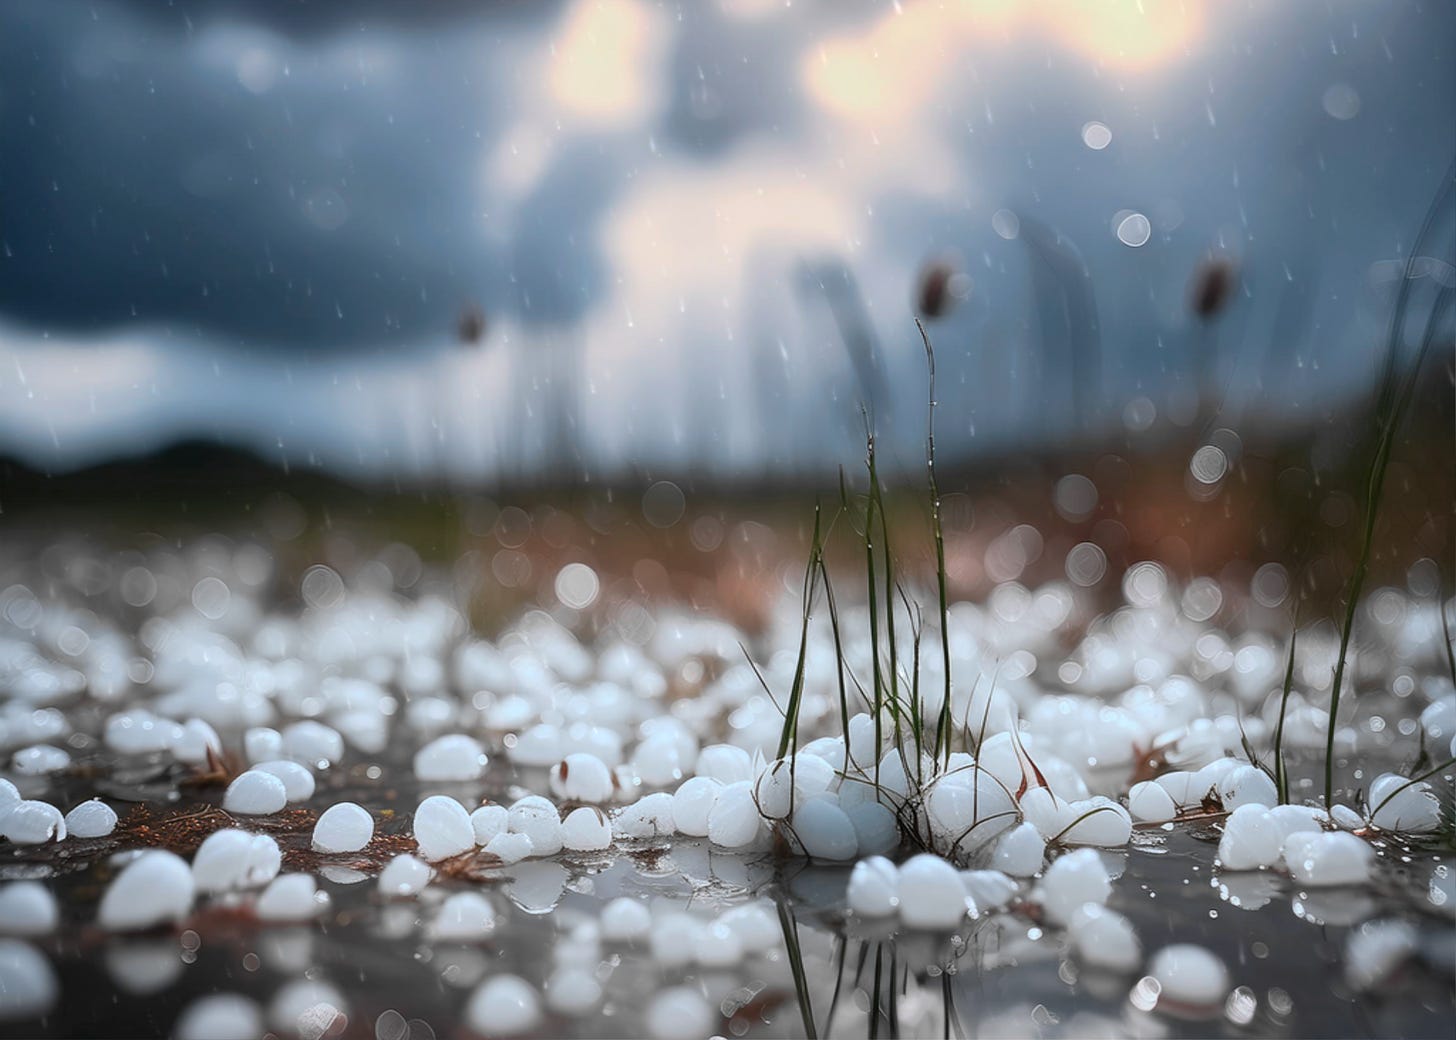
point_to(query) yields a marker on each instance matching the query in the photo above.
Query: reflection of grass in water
(796, 965)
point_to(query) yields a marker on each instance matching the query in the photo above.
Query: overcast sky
(262, 221)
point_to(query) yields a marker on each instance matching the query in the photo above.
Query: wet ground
(1003, 975)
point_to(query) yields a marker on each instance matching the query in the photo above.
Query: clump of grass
(1281, 771)
(1396, 391)
(892, 691)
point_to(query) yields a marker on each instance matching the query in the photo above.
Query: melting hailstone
(404, 876)
(1189, 975)
(291, 897)
(931, 893)
(453, 757)
(27, 908)
(91, 819)
(155, 888)
(220, 1016)
(255, 793)
(343, 827)
(505, 1005)
(232, 859)
(442, 828)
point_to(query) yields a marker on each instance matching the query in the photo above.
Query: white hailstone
(442, 828)
(812, 775)
(862, 749)
(1150, 802)
(734, 820)
(343, 827)
(261, 744)
(541, 745)
(297, 779)
(679, 1013)
(969, 809)
(1252, 839)
(756, 926)
(195, 740)
(988, 889)
(9, 795)
(1062, 777)
(308, 1010)
(429, 716)
(1399, 805)
(1182, 787)
(221, 1016)
(774, 790)
(1000, 756)
(464, 917)
(510, 847)
(28, 986)
(581, 777)
(1049, 814)
(586, 829)
(365, 729)
(831, 749)
(725, 763)
(312, 743)
(1189, 975)
(505, 1005)
(1097, 821)
(40, 760)
(874, 888)
(625, 920)
(573, 991)
(626, 782)
(1247, 785)
(875, 828)
(675, 939)
(692, 803)
(1375, 949)
(255, 793)
(30, 822)
(404, 876)
(538, 819)
(1020, 851)
(1439, 719)
(824, 830)
(1209, 778)
(27, 908)
(720, 946)
(582, 947)
(648, 817)
(231, 859)
(140, 733)
(1295, 819)
(1071, 882)
(291, 897)
(893, 775)
(452, 757)
(658, 760)
(1337, 858)
(488, 821)
(1103, 938)
(92, 819)
(931, 893)
(154, 888)
(1345, 818)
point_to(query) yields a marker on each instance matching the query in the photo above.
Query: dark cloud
(342, 178)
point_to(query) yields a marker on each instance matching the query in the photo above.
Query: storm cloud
(306, 195)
